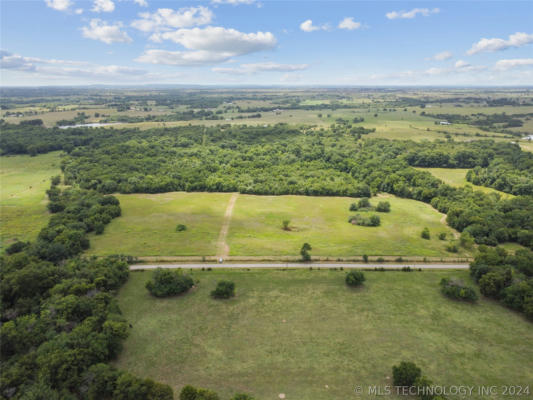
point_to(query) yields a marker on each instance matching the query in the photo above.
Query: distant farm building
(444, 123)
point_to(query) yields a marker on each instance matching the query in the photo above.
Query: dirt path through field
(222, 246)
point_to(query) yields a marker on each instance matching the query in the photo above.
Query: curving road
(298, 265)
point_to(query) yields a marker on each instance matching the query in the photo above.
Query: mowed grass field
(147, 227)
(305, 334)
(24, 181)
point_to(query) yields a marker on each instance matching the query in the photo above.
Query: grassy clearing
(305, 334)
(323, 222)
(147, 226)
(24, 181)
(457, 177)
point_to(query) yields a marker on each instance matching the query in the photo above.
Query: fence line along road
(298, 265)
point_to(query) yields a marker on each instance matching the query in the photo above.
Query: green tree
(425, 234)
(224, 290)
(354, 278)
(405, 374)
(304, 252)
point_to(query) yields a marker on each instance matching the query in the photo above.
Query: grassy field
(147, 227)
(457, 177)
(305, 334)
(24, 181)
(323, 222)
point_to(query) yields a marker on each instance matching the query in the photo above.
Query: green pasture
(305, 334)
(24, 181)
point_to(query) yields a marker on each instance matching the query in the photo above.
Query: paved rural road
(298, 265)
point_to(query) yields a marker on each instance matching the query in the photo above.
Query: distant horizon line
(251, 86)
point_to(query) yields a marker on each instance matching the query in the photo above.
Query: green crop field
(24, 181)
(147, 227)
(305, 334)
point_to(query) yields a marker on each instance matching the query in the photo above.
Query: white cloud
(518, 39)
(59, 5)
(103, 6)
(166, 18)
(182, 58)
(64, 68)
(349, 24)
(426, 12)
(142, 3)
(261, 67)
(307, 26)
(78, 11)
(233, 2)
(442, 56)
(221, 40)
(503, 65)
(107, 33)
(210, 45)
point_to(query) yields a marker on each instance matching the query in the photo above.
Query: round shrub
(383, 206)
(355, 278)
(166, 283)
(425, 234)
(405, 374)
(181, 228)
(224, 290)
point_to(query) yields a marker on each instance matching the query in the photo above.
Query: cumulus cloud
(59, 5)
(503, 65)
(107, 33)
(425, 12)
(103, 6)
(142, 3)
(442, 56)
(517, 39)
(349, 24)
(221, 40)
(261, 67)
(307, 26)
(165, 19)
(210, 45)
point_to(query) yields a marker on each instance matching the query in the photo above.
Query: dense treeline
(60, 320)
(505, 277)
(282, 159)
(484, 121)
(502, 166)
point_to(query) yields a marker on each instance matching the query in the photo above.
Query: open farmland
(147, 227)
(305, 334)
(23, 200)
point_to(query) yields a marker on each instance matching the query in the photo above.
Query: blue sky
(228, 42)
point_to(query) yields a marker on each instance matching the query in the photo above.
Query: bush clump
(425, 234)
(455, 289)
(383, 206)
(358, 219)
(224, 290)
(191, 393)
(405, 374)
(166, 283)
(181, 228)
(355, 278)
